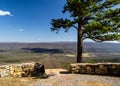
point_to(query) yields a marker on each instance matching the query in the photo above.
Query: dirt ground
(60, 77)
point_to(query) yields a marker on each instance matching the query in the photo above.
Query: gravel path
(57, 79)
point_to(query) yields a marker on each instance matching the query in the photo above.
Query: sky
(29, 21)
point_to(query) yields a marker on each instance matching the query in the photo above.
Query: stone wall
(21, 70)
(96, 68)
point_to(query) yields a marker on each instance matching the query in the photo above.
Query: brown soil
(60, 77)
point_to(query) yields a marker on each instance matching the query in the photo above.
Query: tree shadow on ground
(44, 50)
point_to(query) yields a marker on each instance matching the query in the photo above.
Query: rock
(38, 69)
(98, 68)
(22, 70)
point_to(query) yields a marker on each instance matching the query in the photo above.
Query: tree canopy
(100, 19)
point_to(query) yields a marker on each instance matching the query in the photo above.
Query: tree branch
(75, 27)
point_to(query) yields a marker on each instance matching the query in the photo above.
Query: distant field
(58, 55)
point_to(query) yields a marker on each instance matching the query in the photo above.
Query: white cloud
(4, 13)
(20, 30)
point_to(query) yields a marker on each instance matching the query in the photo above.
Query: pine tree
(98, 20)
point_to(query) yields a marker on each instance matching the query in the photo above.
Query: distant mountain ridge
(91, 47)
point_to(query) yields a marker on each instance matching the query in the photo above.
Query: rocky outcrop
(22, 70)
(96, 68)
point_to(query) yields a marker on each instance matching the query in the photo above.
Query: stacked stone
(21, 70)
(4, 70)
(98, 68)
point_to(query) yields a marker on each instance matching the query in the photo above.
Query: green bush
(1, 56)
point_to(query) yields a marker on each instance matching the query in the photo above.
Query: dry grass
(55, 81)
(57, 55)
(93, 83)
(70, 55)
(92, 53)
(56, 77)
(16, 81)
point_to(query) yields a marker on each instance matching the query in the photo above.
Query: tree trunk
(79, 43)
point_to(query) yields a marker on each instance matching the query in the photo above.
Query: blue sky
(29, 21)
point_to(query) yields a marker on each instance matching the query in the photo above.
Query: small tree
(98, 20)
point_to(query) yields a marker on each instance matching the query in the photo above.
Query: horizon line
(66, 42)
